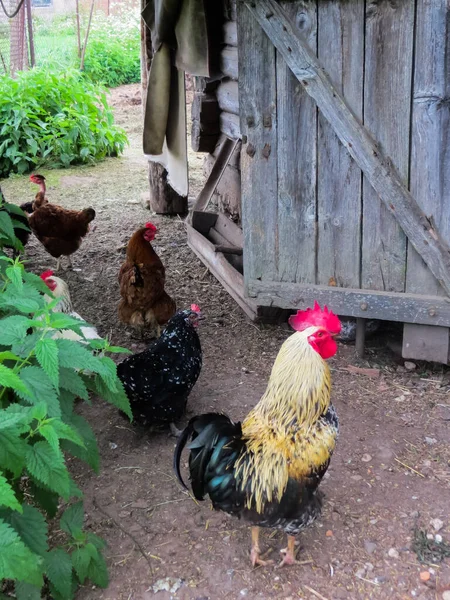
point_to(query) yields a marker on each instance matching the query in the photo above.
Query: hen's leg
(69, 260)
(58, 265)
(174, 430)
(289, 552)
(255, 552)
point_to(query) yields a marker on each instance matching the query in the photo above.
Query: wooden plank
(425, 342)
(341, 52)
(205, 122)
(258, 106)
(430, 159)
(230, 33)
(377, 167)
(370, 304)
(229, 62)
(230, 125)
(387, 91)
(297, 164)
(230, 231)
(229, 277)
(228, 96)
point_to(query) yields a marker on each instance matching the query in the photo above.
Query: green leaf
(9, 420)
(6, 224)
(98, 542)
(89, 453)
(62, 321)
(64, 431)
(47, 355)
(7, 495)
(9, 379)
(47, 431)
(118, 398)
(16, 560)
(98, 572)
(12, 451)
(48, 466)
(46, 499)
(27, 591)
(81, 559)
(74, 355)
(119, 350)
(32, 528)
(15, 275)
(36, 282)
(58, 567)
(40, 388)
(8, 356)
(72, 382)
(13, 329)
(72, 520)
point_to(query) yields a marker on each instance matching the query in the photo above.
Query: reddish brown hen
(59, 229)
(144, 304)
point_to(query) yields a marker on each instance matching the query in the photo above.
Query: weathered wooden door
(346, 159)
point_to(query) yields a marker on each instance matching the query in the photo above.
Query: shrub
(113, 49)
(57, 119)
(40, 380)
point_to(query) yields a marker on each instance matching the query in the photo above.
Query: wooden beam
(378, 168)
(229, 62)
(230, 125)
(370, 304)
(230, 33)
(228, 96)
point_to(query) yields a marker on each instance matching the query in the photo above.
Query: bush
(40, 380)
(57, 119)
(113, 49)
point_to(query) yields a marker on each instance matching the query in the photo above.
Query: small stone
(360, 572)
(139, 504)
(430, 536)
(437, 524)
(226, 539)
(112, 445)
(414, 514)
(438, 538)
(430, 441)
(370, 547)
(424, 576)
(244, 592)
(393, 553)
(380, 579)
(369, 566)
(400, 398)
(276, 578)
(373, 521)
(426, 463)
(356, 477)
(230, 572)
(366, 458)
(446, 595)
(401, 369)
(409, 366)
(329, 533)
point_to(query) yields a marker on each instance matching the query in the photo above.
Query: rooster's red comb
(46, 274)
(151, 226)
(315, 317)
(195, 308)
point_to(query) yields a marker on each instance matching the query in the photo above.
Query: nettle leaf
(7, 495)
(81, 559)
(72, 382)
(9, 379)
(118, 398)
(98, 572)
(65, 432)
(62, 321)
(109, 375)
(32, 528)
(6, 224)
(48, 466)
(10, 420)
(58, 567)
(76, 356)
(8, 356)
(13, 450)
(16, 560)
(36, 282)
(47, 431)
(25, 345)
(46, 499)
(118, 350)
(13, 329)
(72, 520)
(47, 356)
(89, 453)
(40, 387)
(27, 591)
(15, 275)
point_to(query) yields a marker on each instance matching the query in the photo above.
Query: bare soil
(390, 473)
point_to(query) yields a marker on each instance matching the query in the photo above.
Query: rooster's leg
(289, 552)
(58, 265)
(255, 552)
(69, 265)
(174, 430)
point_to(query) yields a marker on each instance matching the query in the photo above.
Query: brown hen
(144, 304)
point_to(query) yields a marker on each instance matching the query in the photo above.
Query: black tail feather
(181, 443)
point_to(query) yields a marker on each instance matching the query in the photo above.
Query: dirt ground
(389, 475)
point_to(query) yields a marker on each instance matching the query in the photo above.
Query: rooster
(144, 304)
(159, 380)
(60, 290)
(268, 469)
(58, 229)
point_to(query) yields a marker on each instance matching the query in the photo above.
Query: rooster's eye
(320, 334)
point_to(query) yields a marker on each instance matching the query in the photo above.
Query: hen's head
(38, 179)
(47, 278)
(322, 325)
(190, 317)
(150, 232)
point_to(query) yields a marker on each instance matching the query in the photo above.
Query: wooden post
(163, 198)
(30, 33)
(360, 337)
(86, 37)
(77, 13)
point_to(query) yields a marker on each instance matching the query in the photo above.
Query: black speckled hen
(158, 380)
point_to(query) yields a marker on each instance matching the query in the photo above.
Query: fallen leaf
(329, 533)
(424, 575)
(361, 371)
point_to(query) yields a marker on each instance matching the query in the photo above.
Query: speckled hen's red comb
(151, 226)
(315, 317)
(195, 308)
(46, 274)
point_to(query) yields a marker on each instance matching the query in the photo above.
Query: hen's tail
(215, 445)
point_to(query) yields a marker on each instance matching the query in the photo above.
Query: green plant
(113, 49)
(57, 119)
(40, 381)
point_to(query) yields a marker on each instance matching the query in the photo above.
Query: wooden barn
(326, 128)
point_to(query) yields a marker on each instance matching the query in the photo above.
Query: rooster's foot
(289, 553)
(255, 557)
(175, 431)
